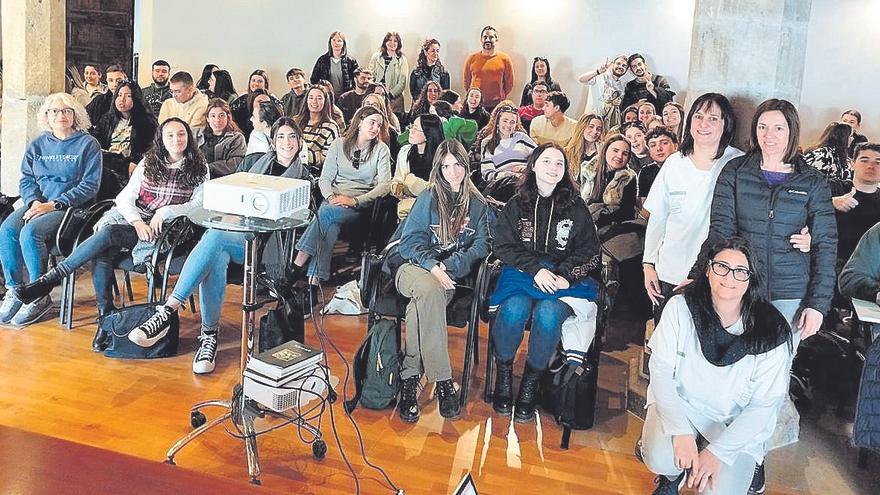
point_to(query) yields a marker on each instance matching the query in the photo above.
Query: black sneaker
(203, 361)
(759, 485)
(666, 486)
(408, 407)
(450, 408)
(150, 331)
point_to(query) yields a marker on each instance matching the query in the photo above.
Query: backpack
(377, 368)
(568, 394)
(828, 365)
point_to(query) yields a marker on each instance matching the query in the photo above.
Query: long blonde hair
(574, 150)
(453, 207)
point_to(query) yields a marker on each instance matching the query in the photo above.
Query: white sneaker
(150, 331)
(30, 313)
(203, 361)
(9, 307)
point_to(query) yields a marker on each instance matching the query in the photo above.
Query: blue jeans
(320, 237)
(205, 268)
(547, 316)
(103, 247)
(24, 245)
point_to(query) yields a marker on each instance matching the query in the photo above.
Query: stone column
(749, 51)
(33, 67)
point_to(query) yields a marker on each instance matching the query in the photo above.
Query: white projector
(256, 195)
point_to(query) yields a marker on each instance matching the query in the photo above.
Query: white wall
(842, 69)
(576, 35)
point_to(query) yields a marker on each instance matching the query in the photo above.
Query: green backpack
(377, 368)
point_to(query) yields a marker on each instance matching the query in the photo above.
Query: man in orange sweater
(490, 70)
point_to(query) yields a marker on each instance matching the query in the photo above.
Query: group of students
(740, 249)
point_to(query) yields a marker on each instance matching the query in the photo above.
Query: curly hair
(156, 160)
(422, 63)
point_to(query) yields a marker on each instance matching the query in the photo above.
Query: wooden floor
(51, 383)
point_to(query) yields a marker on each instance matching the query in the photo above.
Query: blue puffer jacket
(744, 204)
(866, 427)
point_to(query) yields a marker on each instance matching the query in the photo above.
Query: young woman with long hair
(243, 107)
(422, 105)
(336, 65)
(584, 143)
(443, 238)
(546, 240)
(60, 169)
(473, 108)
(506, 147)
(357, 172)
(206, 266)
(415, 162)
(428, 68)
(719, 372)
(611, 193)
(319, 129)
(220, 140)
(220, 85)
(390, 67)
(673, 118)
(829, 155)
(166, 184)
(540, 73)
(127, 131)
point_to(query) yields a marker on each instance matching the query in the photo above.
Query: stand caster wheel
(331, 396)
(319, 449)
(197, 418)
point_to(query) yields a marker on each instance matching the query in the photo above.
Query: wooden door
(100, 32)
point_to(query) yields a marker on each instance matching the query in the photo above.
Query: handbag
(114, 327)
(284, 322)
(77, 225)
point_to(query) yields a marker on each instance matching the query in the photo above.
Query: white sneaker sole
(140, 339)
(33, 319)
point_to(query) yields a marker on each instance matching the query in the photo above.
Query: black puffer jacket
(746, 205)
(143, 131)
(528, 237)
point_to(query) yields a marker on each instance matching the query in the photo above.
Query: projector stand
(241, 410)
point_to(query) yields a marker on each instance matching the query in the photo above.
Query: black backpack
(377, 368)
(568, 394)
(828, 365)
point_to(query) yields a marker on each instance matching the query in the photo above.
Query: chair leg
(490, 362)
(71, 290)
(466, 373)
(192, 304)
(128, 287)
(62, 309)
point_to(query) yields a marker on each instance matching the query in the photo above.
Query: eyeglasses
(53, 112)
(356, 159)
(722, 269)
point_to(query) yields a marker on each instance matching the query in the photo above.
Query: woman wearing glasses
(61, 168)
(718, 376)
(357, 172)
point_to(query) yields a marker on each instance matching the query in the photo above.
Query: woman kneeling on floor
(444, 236)
(719, 361)
(165, 185)
(547, 241)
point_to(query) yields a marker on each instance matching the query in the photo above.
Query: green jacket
(462, 130)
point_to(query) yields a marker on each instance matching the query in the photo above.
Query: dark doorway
(101, 33)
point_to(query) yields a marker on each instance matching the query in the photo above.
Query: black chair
(488, 279)
(380, 296)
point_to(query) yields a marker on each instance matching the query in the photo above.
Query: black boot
(450, 407)
(502, 398)
(408, 405)
(102, 336)
(39, 288)
(524, 410)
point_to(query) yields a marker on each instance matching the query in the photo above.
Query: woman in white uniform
(719, 361)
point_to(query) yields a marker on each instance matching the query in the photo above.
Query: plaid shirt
(151, 196)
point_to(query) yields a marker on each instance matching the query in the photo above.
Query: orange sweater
(492, 74)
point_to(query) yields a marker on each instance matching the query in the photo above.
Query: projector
(257, 195)
(296, 391)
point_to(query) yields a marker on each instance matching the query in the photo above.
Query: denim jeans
(547, 316)
(205, 268)
(24, 245)
(320, 237)
(103, 247)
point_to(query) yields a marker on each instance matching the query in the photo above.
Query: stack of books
(279, 365)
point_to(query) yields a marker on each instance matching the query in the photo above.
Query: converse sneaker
(203, 361)
(30, 313)
(9, 307)
(666, 486)
(759, 485)
(450, 408)
(148, 332)
(408, 407)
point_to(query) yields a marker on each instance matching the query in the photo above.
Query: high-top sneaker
(203, 361)
(758, 481)
(408, 406)
(450, 408)
(150, 331)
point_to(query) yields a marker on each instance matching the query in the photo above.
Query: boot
(40, 287)
(102, 337)
(502, 398)
(450, 407)
(524, 410)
